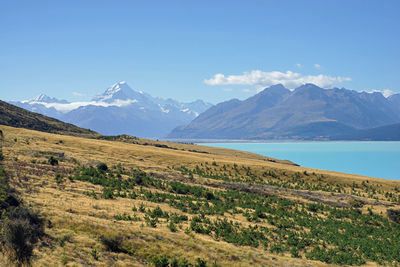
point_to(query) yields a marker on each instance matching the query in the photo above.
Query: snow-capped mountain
(119, 91)
(42, 104)
(120, 110)
(42, 98)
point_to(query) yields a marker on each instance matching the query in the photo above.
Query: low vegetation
(111, 203)
(311, 231)
(20, 227)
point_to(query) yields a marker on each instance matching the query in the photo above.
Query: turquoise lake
(376, 159)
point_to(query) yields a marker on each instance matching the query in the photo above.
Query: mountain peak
(309, 88)
(277, 88)
(119, 90)
(117, 87)
(42, 98)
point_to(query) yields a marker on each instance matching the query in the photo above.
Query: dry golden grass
(81, 219)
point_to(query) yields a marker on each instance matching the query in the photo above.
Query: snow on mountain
(118, 110)
(120, 90)
(42, 98)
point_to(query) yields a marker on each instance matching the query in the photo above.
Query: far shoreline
(218, 141)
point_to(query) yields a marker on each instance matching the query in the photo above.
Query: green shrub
(172, 227)
(53, 161)
(174, 263)
(295, 253)
(161, 261)
(95, 254)
(59, 178)
(200, 263)
(64, 260)
(152, 222)
(184, 263)
(102, 167)
(142, 208)
(108, 193)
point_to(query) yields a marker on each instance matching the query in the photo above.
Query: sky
(187, 50)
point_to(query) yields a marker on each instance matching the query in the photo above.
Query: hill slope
(150, 204)
(18, 117)
(308, 112)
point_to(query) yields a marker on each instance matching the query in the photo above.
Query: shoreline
(234, 141)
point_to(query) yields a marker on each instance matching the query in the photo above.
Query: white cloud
(317, 66)
(74, 105)
(246, 90)
(289, 79)
(299, 65)
(78, 94)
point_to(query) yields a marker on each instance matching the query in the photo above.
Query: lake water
(376, 159)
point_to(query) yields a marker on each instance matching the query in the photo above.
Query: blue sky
(76, 49)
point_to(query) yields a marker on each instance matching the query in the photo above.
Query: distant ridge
(383, 133)
(14, 116)
(307, 113)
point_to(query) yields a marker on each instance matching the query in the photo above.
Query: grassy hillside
(18, 117)
(132, 203)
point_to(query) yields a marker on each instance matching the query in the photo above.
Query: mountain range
(120, 110)
(306, 113)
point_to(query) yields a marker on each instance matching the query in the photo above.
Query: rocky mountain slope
(308, 112)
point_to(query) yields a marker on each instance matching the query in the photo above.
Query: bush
(200, 263)
(102, 167)
(95, 254)
(172, 227)
(394, 215)
(59, 178)
(108, 193)
(21, 231)
(16, 241)
(53, 161)
(161, 261)
(36, 224)
(112, 243)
